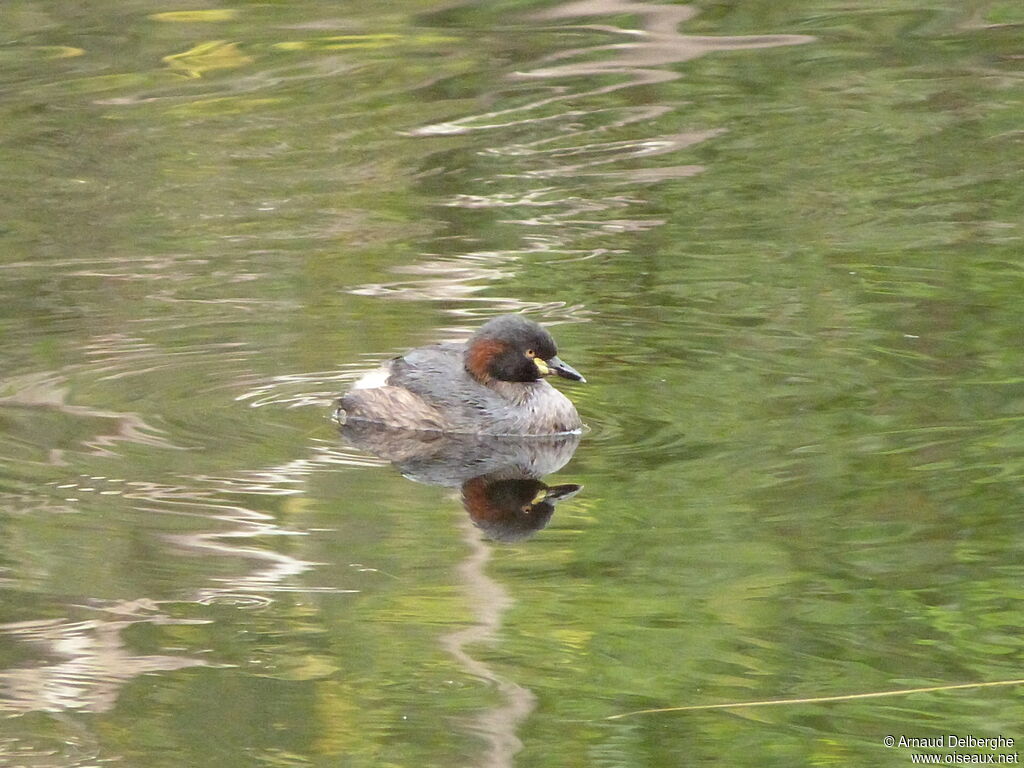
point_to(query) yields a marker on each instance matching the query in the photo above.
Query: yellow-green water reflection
(782, 240)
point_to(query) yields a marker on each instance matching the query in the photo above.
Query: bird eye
(530, 353)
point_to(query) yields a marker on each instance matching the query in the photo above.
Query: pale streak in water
(489, 601)
(48, 390)
(274, 572)
(94, 662)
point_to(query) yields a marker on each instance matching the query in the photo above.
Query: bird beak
(556, 366)
(562, 492)
(553, 493)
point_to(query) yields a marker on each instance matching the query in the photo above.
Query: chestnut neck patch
(480, 355)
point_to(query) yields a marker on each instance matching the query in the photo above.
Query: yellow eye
(530, 353)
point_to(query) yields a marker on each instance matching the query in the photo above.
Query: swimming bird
(494, 384)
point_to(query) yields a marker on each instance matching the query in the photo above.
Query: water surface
(782, 241)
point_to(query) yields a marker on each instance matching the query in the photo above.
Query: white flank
(373, 379)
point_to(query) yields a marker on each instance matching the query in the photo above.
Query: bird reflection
(512, 509)
(499, 477)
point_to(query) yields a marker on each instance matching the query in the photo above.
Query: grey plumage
(430, 388)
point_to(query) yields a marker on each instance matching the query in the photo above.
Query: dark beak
(565, 370)
(562, 492)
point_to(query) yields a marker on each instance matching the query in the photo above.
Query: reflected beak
(562, 492)
(553, 493)
(566, 371)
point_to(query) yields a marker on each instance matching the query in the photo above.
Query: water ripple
(576, 150)
(95, 660)
(236, 600)
(48, 391)
(300, 390)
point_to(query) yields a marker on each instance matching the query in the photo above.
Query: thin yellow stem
(817, 699)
